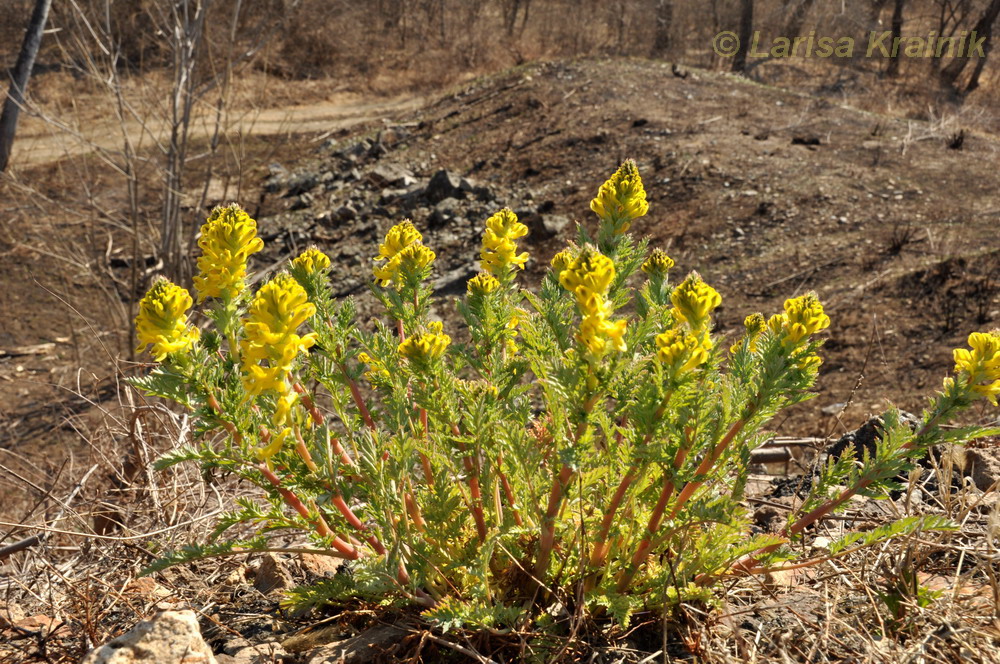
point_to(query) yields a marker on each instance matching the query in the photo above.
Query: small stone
(322, 566)
(444, 212)
(301, 183)
(391, 175)
(443, 184)
(345, 213)
(171, 637)
(271, 574)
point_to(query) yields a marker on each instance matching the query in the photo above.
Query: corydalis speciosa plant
(592, 434)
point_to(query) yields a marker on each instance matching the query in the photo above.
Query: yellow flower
(499, 250)
(982, 364)
(621, 199)
(803, 317)
(589, 276)
(483, 283)
(426, 347)
(562, 261)
(273, 447)
(680, 352)
(376, 370)
(398, 238)
(404, 254)
(228, 238)
(754, 325)
(599, 335)
(658, 263)
(311, 261)
(413, 260)
(694, 301)
(277, 311)
(162, 320)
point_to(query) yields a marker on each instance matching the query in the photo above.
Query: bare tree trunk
(980, 64)
(22, 72)
(793, 26)
(892, 69)
(876, 11)
(983, 28)
(664, 23)
(745, 33)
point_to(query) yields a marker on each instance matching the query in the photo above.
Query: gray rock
(554, 223)
(345, 213)
(391, 175)
(354, 152)
(455, 281)
(171, 637)
(302, 202)
(300, 183)
(365, 647)
(263, 653)
(444, 212)
(443, 184)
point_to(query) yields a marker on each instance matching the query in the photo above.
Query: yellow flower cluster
(376, 370)
(499, 252)
(754, 324)
(276, 313)
(483, 283)
(427, 347)
(680, 352)
(657, 264)
(228, 238)
(589, 278)
(694, 301)
(162, 321)
(621, 199)
(311, 261)
(803, 317)
(562, 260)
(982, 364)
(404, 253)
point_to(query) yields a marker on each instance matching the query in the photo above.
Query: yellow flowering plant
(587, 440)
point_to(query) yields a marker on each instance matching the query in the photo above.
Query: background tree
(745, 33)
(982, 28)
(19, 82)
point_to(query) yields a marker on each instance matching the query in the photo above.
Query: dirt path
(40, 141)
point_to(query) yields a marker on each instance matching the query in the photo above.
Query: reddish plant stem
(338, 501)
(413, 510)
(601, 545)
(508, 492)
(309, 404)
(300, 447)
(342, 547)
(358, 400)
(228, 426)
(646, 542)
(477, 496)
(707, 463)
(547, 540)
